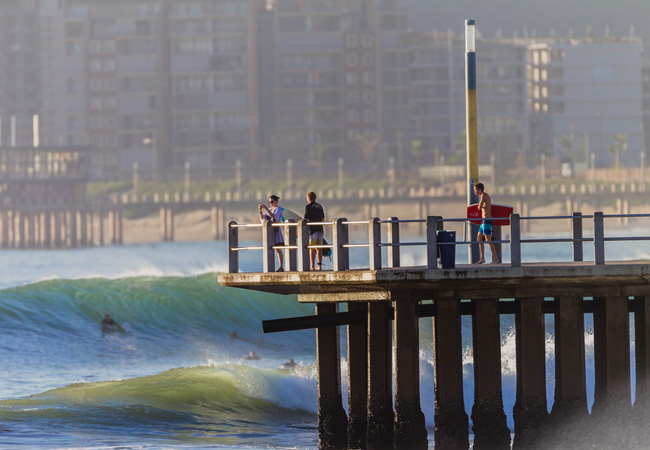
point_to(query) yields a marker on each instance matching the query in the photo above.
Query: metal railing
(296, 236)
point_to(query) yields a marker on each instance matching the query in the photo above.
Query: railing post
(577, 237)
(303, 242)
(233, 242)
(599, 238)
(393, 238)
(515, 240)
(374, 239)
(432, 242)
(268, 241)
(291, 241)
(340, 254)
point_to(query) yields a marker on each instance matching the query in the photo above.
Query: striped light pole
(471, 127)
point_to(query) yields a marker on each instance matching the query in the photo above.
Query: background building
(159, 86)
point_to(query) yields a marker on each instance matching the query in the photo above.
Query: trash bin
(447, 252)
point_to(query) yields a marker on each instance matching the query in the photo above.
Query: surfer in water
(289, 364)
(252, 356)
(108, 324)
(485, 230)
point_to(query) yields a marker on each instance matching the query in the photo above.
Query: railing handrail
(298, 247)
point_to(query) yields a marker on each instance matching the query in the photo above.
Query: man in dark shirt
(315, 213)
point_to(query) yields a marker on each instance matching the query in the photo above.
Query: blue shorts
(486, 228)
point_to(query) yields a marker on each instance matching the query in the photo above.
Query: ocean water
(176, 379)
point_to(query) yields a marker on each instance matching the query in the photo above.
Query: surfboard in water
(501, 212)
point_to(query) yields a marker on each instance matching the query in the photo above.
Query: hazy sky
(539, 15)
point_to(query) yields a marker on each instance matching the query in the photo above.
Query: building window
(352, 78)
(351, 41)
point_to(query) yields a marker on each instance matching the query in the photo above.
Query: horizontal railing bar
(556, 217)
(472, 219)
(320, 223)
(609, 216)
(356, 222)
(239, 249)
(354, 245)
(246, 225)
(400, 244)
(622, 238)
(536, 241)
(403, 221)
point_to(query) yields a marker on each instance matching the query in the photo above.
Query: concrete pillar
(120, 227)
(73, 229)
(112, 225)
(488, 416)
(101, 227)
(379, 434)
(642, 353)
(612, 391)
(83, 228)
(47, 229)
(451, 422)
(409, 430)
(5, 229)
(31, 229)
(530, 411)
(569, 415)
(170, 227)
(214, 223)
(332, 422)
(91, 228)
(357, 379)
(57, 229)
(21, 229)
(163, 224)
(12, 228)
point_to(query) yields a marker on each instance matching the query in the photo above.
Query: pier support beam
(612, 395)
(379, 434)
(488, 416)
(332, 422)
(570, 414)
(409, 432)
(357, 379)
(611, 355)
(642, 352)
(530, 411)
(451, 421)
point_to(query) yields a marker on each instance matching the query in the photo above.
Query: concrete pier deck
(465, 281)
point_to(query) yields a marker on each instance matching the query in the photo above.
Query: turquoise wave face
(50, 334)
(211, 404)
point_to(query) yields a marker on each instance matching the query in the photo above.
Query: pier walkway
(385, 299)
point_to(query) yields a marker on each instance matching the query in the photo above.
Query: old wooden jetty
(385, 299)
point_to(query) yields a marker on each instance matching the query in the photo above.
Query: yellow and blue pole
(471, 125)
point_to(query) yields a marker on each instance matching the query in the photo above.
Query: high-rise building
(437, 97)
(585, 96)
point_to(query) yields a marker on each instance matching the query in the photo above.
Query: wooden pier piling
(333, 423)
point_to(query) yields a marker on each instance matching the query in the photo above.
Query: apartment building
(582, 94)
(437, 98)
(158, 84)
(161, 83)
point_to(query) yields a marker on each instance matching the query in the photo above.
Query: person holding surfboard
(314, 212)
(485, 230)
